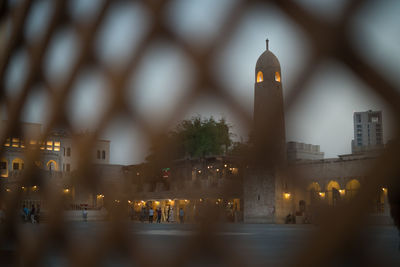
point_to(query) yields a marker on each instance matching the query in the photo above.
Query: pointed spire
(267, 41)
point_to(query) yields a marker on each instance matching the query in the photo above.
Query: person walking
(151, 214)
(159, 215)
(171, 215)
(26, 213)
(142, 214)
(32, 214)
(37, 215)
(84, 214)
(181, 215)
(168, 213)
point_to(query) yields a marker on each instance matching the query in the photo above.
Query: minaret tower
(261, 181)
(269, 121)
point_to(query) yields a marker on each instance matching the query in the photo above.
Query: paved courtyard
(245, 244)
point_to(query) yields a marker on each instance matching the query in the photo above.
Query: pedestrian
(22, 213)
(26, 213)
(142, 214)
(37, 215)
(171, 215)
(32, 214)
(159, 215)
(84, 215)
(151, 215)
(181, 215)
(168, 213)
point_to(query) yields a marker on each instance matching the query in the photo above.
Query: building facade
(299, 151)
(368, 131)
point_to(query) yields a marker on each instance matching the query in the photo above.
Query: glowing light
(322, 194)
(277, 77)
(342, 191)
(137, 173)
(199, 171)
(116, 200)
(286, 195)
(32, 142)
(8, 189)
(100, 196)
(66, 190)
(384, 189)
(186, 200)
(217, 170)
(157, 202)
(225, 165)
(49, 143)
(35, 187)
(129, 202)
(57, 143)
(260, 77)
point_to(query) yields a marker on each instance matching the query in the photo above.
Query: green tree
(196, 137)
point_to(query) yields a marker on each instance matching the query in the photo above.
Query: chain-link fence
(329, 39)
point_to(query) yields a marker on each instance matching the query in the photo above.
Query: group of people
(149, 214)
(31, 215)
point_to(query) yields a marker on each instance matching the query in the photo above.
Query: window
(260, 77)
(15, 166)
(277, 77)
(98, 154)
(358, 118)
(3, 165)
(49, 145)
(68, 167)
(68, 152)
(103, 154)
(57, 146)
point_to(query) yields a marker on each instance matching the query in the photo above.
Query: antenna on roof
(267, 41)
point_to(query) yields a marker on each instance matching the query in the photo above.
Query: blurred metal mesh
(328, 39)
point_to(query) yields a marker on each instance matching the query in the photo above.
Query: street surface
(247, 244)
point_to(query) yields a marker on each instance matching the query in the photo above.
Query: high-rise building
(368, 131)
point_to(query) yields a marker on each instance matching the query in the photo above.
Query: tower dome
(268, 66)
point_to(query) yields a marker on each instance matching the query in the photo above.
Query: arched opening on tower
(260, 77)
(52, 165)
(277, 77)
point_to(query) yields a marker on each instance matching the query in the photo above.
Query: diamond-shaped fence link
(328, 40)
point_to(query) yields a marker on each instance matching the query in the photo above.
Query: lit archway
(260, 77)
(277, 77)
(313, 191)
(17, 164)
(352, 187)
(52, 165)
(332, 189)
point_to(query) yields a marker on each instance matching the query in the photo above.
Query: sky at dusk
(323, 116)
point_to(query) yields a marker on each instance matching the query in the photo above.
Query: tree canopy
(193, 138)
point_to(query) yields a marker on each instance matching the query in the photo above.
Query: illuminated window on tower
(260, 77)
(277, 77)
